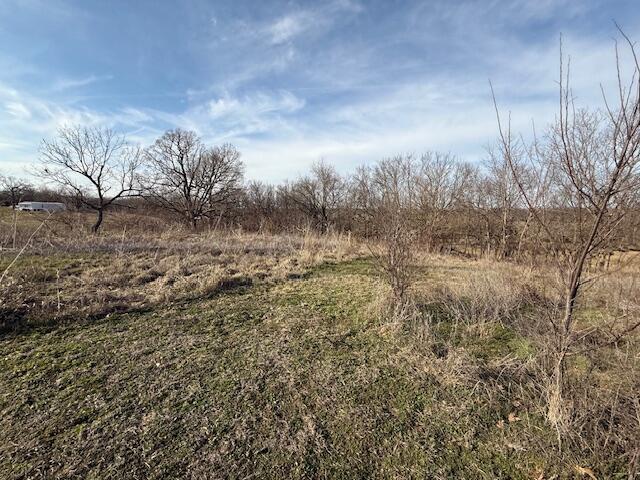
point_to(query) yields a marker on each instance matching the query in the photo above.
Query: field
(152, 352)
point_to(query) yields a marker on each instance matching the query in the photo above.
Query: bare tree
(586, 176)
(441, 184)
(392, 199)
(361, 200)
(95, 165)
(190, 179)
(497, 200)
(320, 194)
(14, 188)
(260, 204)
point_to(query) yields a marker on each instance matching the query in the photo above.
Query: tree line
(449, 205)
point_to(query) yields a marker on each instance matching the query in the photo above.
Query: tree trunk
(96, 226)
(556, 401)
(487, 235)
(556, 412)
(504, 247)
(324, 220)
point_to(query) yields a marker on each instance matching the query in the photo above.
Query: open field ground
(171, 354)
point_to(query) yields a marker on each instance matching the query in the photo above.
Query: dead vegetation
(75, 276)
(181, 353)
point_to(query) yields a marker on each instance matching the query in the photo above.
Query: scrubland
(150, 351)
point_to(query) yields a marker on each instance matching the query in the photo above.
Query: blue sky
(290, 82)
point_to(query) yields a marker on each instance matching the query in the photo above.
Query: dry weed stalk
(24, 247)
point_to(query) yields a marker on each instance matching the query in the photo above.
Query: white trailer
(41, 207)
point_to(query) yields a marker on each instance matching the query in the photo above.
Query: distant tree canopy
(189, 178)
(14, 189)
(319, 195)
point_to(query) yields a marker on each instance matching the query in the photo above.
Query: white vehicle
(41, 206)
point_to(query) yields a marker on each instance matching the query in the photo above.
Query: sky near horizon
(290, 82)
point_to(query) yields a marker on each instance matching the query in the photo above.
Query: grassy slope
(287, 380)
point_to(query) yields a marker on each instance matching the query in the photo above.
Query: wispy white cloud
(251, 48)
(27, 118)
(230, 117)
(307, 20)
(18, 110)
(253, 106)
(71, 83)
(310, 20)
(287, 27)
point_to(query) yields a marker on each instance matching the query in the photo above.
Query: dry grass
(500, 312)
(153, 352)
(77, 276)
